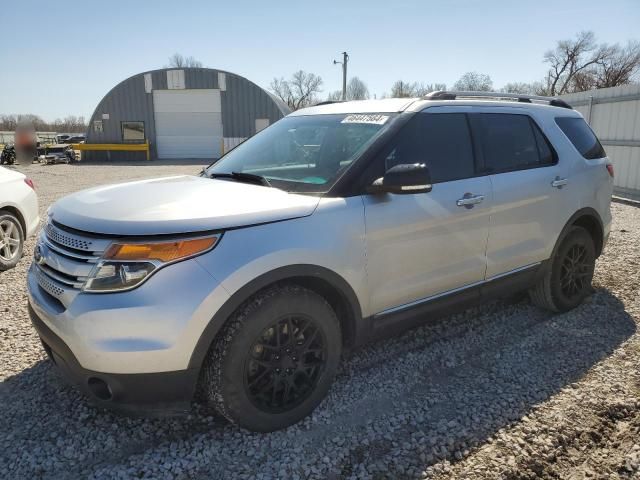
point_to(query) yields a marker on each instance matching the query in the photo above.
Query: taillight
(610, 169)
(29, 182)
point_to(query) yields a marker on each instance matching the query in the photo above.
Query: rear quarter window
(581, 136)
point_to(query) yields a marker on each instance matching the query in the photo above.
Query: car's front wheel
(275, 359)
(568, 280)
(11, 240)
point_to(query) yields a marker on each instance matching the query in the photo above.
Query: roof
(393, 105)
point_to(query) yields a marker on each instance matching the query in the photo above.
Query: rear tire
(274, 360)
(11, 240)
(568, 281)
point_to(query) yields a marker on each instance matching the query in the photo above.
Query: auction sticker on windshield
(375, 119)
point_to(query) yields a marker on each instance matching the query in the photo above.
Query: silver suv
(338, 224)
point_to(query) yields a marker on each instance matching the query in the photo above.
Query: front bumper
(148, 394)
(131, 351)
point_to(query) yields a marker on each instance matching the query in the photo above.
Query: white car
(18, 215)
(336, 225)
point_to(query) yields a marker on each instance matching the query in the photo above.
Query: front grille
(63, 238)
(64, 260)
(47, 285)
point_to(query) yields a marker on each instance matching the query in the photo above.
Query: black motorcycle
(8, 155)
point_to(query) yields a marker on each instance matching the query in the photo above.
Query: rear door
(426, 244)
(530, 188)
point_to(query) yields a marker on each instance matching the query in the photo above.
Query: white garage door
(188, 123)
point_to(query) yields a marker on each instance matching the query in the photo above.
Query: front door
(426, 244)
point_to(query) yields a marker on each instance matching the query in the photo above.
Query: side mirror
(403, 179)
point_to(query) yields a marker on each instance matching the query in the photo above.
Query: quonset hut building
(183, 113)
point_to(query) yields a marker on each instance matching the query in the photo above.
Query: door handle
(469, 200)
(559, 182)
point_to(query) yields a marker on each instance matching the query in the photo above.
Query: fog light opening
(100, 388)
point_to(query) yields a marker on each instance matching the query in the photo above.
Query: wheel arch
(18, 214)
(589, 219)
(335, 289)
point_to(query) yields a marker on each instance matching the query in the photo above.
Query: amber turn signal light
(164, 252)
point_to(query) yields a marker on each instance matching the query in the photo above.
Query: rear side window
(582, 137)
(512, 142)
(440, 140)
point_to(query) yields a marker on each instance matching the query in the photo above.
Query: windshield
(304, 153)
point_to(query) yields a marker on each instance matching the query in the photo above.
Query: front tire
(11, 241)
(275, 359)
(568, 282)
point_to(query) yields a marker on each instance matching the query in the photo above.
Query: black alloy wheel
(274, 360)
(285, 363)
(576, 271)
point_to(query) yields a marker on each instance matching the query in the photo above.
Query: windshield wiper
(243, 177)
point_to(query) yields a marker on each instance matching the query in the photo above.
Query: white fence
(614, 114)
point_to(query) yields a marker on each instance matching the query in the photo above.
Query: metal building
(182, 113)
(614, 114)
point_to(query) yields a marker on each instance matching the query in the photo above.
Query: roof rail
(520, 97)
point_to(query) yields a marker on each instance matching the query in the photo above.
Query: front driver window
(440, 140)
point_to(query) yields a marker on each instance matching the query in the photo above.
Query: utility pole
(345, 59)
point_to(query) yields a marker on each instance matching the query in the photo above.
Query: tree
(569, 59)
(474, 82)
(402, 89)
(177, 60)
(298, 92)
(533, 88)
(356, 90)
(582, 64)
(618, 65)
(70, 124)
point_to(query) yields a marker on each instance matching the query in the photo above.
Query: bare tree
(533, 88)
(571, 59)
(298, 92)
(334, 96)
(357, 90)
(519, 87)
(474, 82)
(420, 89)
(70, 124)
(178, 60)
(402, 89)
(618, 65)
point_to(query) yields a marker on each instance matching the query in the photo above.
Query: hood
(182, 204)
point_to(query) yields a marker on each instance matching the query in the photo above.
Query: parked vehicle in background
(18, 215)
(62, 138)
(338, 224)
(8, 155)
(56, 154)
(80, 138)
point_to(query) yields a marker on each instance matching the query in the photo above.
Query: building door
(188, 123)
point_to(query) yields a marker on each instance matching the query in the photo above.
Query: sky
(61, 58)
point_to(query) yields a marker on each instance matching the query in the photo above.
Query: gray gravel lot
(504, 390)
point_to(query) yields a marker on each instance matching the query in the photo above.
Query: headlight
(126, 265)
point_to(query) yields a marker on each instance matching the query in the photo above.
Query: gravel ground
(504, 390)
